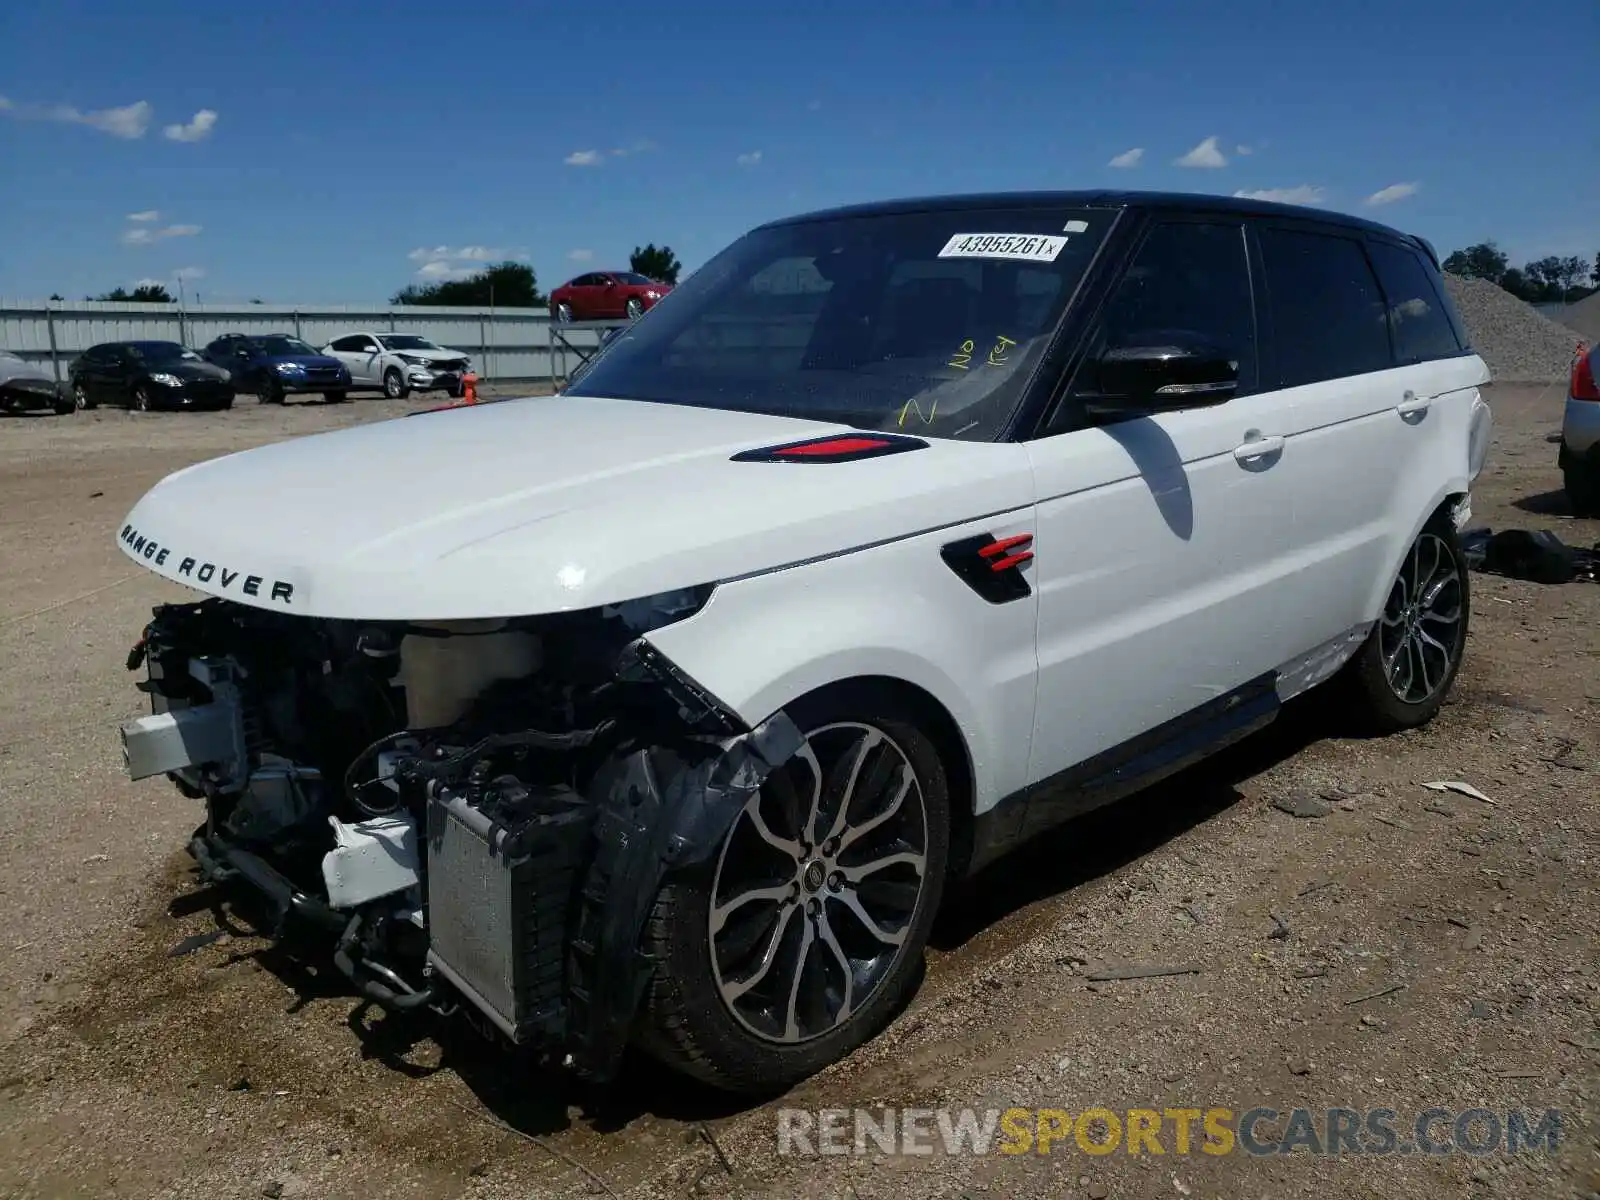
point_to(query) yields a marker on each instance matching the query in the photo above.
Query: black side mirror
(1161, 373)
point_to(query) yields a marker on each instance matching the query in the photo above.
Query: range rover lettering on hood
(220, 577)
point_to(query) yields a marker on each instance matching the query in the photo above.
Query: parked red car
(605, 296)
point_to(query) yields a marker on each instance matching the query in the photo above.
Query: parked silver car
(24, 386)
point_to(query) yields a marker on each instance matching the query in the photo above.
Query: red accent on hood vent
(840, 447)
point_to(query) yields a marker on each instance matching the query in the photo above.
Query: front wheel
(333, 397)
(394, 385)
(141, 399)
(635, 308)
(81, 400)
(1582, 484)
(1403, 671)
(802, 936)
(563, 314)
(64, 404)
(271, 392)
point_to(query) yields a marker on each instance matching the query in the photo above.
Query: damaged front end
(478, 814)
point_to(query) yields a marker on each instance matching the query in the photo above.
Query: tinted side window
(349, 344)
(1328, 316)
(1417, 318)
(1187, 279)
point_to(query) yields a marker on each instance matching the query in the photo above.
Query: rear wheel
(394, 385)
(804, 933)
(1403, 671)
(333, 397)
(81, 400)
(1582, 483)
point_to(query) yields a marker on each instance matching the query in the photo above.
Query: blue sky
(293, 153)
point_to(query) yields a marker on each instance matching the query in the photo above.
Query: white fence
(506, 344)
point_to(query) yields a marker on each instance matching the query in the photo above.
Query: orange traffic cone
(469, 390)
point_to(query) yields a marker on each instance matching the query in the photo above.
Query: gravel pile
(1519, 344)
(1584, 316)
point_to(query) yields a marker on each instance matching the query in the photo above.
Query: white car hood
(540, 505)
(440, 355)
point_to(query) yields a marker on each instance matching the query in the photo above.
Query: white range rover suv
(661, 713)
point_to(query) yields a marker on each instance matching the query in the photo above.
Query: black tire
(456, 390)
(81, 400)
(687, 1023)
(333, 397)
(1379, 705)
(561, 314)
(64, 404)
(634, 308)
(141, 398)
(394, 384)
(270, 391)
(1582, 483)
(225, 405)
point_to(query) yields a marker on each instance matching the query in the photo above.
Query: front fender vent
(992, 566)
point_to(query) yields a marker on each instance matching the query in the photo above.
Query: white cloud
(580, 255)
(198, 129)
(750, 159)
(148, 214)
(1306, 193)
(1206, 154)
(1128, 158)
(140, 235)
(130, 121)
(444, 269)
(583, 158)
(1395, 191)
(1244, 151)
(623, 151)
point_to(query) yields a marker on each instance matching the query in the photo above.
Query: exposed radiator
(499, 902)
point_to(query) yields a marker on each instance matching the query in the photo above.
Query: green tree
(655, 263)
(507, 285)
(1482, 261)
(145, 293)
(1595, 274)
(1570, 272)
(55, 295)
(1515, 282)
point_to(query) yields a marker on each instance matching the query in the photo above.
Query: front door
(1162, 540)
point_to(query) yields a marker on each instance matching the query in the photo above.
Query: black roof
(1175, 201)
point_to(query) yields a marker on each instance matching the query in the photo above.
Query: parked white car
(398, 364)
(663, 712)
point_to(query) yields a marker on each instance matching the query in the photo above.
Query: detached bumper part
(167, 742)
(370, 860)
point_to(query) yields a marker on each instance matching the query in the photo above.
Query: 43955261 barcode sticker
(1026, 247)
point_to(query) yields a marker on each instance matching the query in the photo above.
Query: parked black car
(146, 376)
(24, 386)
(276, 365)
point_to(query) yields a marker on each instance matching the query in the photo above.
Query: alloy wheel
(80, 398)
(141, 400)
(635, 310)
(1420, 633)
(818, 883)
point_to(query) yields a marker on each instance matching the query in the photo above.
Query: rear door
(1162, 540)
(1356, 426)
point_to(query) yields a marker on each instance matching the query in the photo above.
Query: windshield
(406, 341)
(160, 352)
(283, 346)
(927, 321)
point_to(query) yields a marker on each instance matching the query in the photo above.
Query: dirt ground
(240, 1070)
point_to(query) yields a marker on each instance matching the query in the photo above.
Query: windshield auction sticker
(1026, 247)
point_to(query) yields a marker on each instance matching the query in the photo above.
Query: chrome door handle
(1412, 404)
(1259, 447)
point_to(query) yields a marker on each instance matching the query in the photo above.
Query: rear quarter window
(1418, 319)
(1329, 318)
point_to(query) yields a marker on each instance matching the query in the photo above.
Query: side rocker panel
(895, 610)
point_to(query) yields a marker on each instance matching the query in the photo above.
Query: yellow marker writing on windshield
(963, 356)
(911, 405)
(997, 356)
